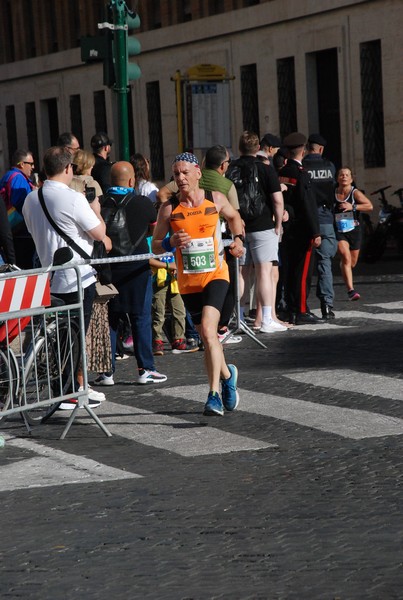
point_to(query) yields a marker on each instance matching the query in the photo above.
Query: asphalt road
(296, 495)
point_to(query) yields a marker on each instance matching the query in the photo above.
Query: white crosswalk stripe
(388, 305)
(393, 317)
(325, 326)
(358, 314)
(51, 467)
(352, 381)
(171, 433)
(346, 422)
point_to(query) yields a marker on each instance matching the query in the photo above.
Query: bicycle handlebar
(381, 191)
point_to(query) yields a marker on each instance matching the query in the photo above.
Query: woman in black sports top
(349, 201)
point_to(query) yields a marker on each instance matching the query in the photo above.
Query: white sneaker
(103, 379)
(272, 327)
(233, 339)
(225, 339)
(71, 404)
(93, 394)
(150, 377)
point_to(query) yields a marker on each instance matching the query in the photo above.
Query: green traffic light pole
(121, 86)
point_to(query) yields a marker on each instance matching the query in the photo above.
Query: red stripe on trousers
(305, 270)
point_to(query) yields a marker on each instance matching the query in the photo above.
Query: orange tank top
(204, 260)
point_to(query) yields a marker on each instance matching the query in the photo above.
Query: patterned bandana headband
(186, 157)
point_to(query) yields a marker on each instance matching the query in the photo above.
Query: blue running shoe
(213, 405)
(230, 396)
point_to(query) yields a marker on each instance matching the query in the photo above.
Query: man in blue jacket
(15, 185)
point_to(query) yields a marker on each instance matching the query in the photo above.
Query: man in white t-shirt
(81, 221)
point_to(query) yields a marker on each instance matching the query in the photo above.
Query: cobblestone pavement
(296, 495)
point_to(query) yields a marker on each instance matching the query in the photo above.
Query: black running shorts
(213, 295)
(353, 238)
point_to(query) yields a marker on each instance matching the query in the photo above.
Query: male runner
(194, 224)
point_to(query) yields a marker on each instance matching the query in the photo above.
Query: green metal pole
(121, 87)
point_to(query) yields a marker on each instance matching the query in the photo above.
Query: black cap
(282, 151)
(270, 140)
(316, 138)
(295, 139)
(99, 140)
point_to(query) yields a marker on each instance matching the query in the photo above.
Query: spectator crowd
(250, 228)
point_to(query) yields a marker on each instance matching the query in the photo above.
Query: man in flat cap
(302, 234)
(322, 173)
(101, 146)
(269, 144)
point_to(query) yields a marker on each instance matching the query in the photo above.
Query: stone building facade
(210, 70)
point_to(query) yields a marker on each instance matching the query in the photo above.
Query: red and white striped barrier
(20, 293)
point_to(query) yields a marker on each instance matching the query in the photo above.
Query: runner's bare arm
(363, 203)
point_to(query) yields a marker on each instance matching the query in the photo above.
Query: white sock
(266, 314)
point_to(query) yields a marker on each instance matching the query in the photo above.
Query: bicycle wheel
(68, 361)
(50, 369)
(8, 380)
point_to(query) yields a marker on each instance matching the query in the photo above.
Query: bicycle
(9, 379)
(45, 364)
(45, 370)
(9, 365)
(50, 366)
(390, 226)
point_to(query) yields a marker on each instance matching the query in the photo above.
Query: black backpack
(115, 217)
(245, 177)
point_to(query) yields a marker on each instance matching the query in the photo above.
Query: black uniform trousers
(297, 265)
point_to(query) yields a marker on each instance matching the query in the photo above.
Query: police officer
(322, 173)
(302, 233)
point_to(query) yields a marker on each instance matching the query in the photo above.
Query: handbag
(104, 271)
(104, 292)
(99, 250)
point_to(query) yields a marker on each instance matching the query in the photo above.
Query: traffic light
(114, 46)
(99, 48)
(133, 47)
(93, 48)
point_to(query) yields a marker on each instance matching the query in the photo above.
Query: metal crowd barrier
(41, 347)
(38, 345)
